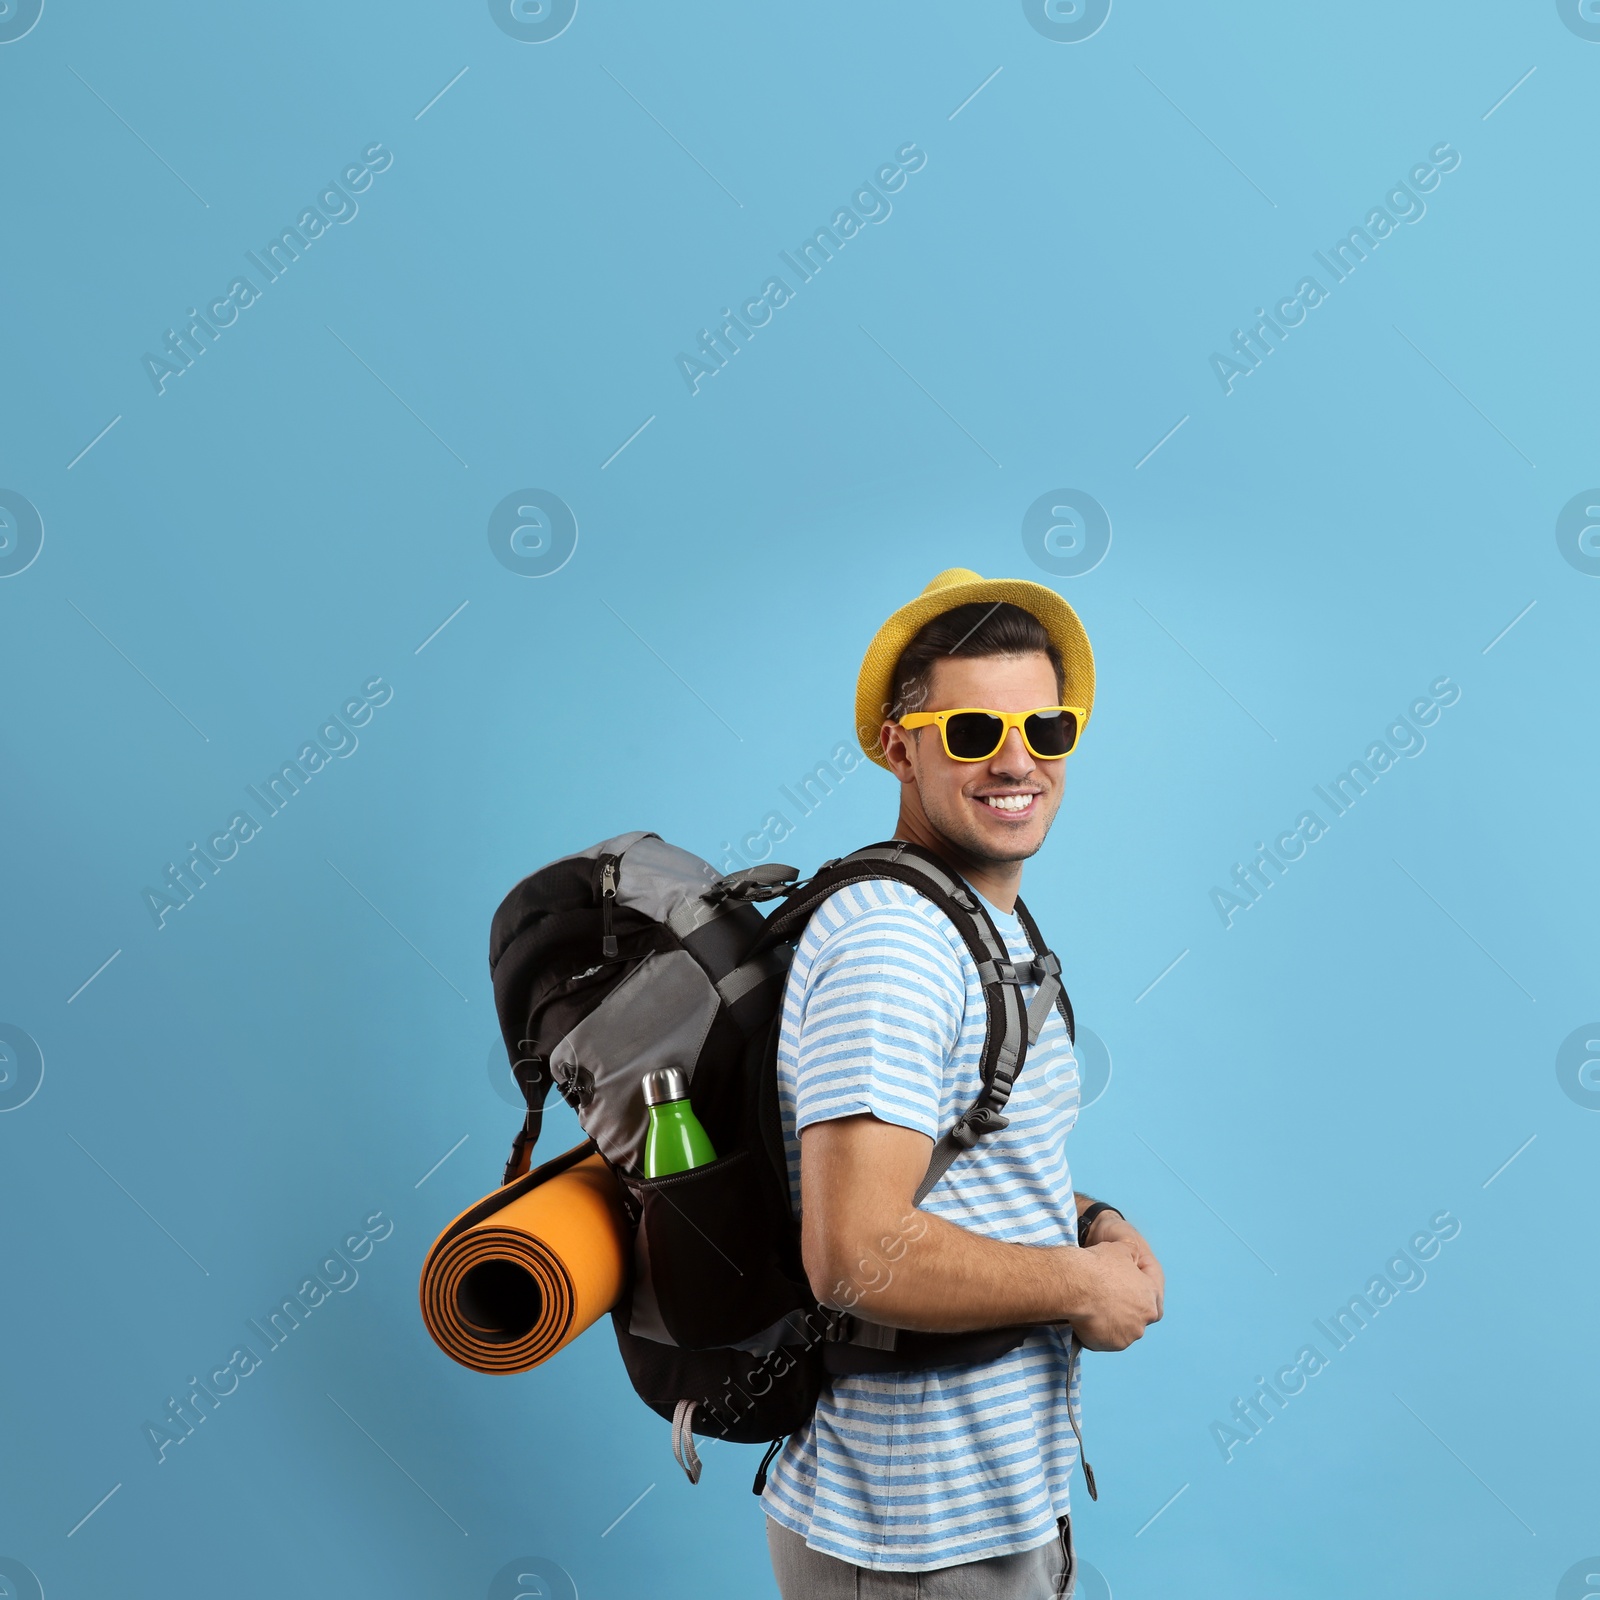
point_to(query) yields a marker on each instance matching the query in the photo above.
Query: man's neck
(999, 882)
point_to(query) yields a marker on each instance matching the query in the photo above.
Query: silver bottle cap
(664, 1084)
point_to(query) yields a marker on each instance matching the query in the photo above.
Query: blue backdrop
(534, 414)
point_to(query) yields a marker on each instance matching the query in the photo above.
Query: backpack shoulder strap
(1008, 1026)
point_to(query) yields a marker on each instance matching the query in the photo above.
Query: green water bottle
(674, 1141)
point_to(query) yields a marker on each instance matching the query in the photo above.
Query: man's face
(958, 797)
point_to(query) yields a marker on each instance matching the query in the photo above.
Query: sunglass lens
(1052, 733)
(973, 735)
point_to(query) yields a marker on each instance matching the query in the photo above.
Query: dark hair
(977, 630)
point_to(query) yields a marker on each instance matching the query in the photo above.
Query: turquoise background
(302, 508)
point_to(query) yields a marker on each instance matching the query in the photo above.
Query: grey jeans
(1046, 1573)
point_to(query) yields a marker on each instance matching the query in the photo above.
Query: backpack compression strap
(534, 1082)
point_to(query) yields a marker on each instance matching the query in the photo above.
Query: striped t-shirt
(908, 1471)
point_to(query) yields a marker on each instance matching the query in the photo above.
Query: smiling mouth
(1012, 804)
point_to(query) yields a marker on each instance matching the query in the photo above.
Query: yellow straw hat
(960, 587)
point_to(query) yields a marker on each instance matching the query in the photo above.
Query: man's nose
(1012, 759)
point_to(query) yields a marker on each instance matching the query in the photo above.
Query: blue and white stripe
(909, 1471)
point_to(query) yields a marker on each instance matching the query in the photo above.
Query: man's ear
(897, 745)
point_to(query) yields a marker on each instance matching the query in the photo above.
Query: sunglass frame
(1008, 721)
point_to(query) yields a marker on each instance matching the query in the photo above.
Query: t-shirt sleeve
(882, 1009)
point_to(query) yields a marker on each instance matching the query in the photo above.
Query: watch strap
(1089, 1213)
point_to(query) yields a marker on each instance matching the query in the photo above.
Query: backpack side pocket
(711, 1245)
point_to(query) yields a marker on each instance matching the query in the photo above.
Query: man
(950, 1481)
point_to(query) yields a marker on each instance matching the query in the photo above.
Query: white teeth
(1008, 802)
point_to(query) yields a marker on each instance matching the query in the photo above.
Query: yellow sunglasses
(973, 734)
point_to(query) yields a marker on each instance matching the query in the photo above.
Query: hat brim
(874, 686)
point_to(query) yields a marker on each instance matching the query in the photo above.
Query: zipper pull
(608, 894)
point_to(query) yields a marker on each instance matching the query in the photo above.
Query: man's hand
(1120, 1299)
(1108, 1229)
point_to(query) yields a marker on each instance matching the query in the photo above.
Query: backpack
(634, 955)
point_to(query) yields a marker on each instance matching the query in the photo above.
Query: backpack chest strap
(1044, 970)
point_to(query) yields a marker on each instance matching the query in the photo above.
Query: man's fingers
(1121, 1246)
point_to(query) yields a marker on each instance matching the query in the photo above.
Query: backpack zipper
(608, 895)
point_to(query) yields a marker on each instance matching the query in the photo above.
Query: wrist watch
(1089, 1213)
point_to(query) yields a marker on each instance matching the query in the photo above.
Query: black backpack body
(634, 955)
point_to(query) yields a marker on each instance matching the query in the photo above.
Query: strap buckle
(981, 1120)
(1037, 970)
(838, 1327)
(764, 882)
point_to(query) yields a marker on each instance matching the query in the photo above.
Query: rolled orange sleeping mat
(522, 1273)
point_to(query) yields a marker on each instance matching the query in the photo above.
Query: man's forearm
(869, 1250)
(932, 1275)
